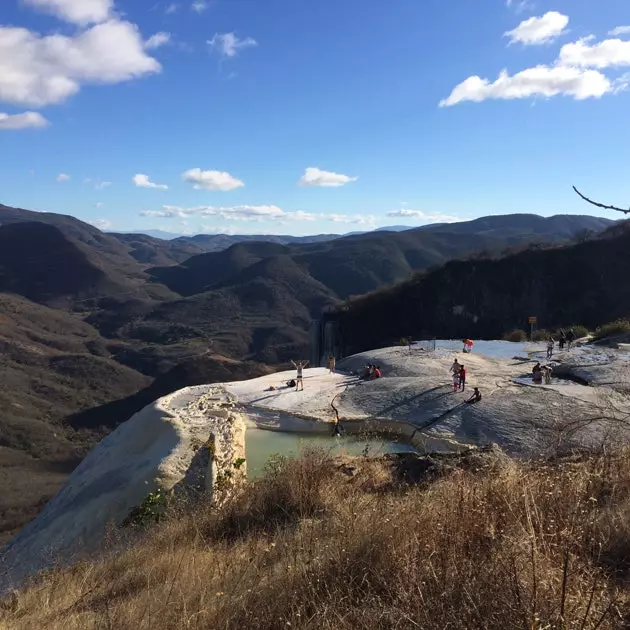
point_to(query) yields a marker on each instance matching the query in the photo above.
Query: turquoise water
(492, 349)
(260, 445)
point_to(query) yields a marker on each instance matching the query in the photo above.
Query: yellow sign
(533, 320)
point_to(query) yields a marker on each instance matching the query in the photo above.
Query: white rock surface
(158, 446)
(154, 449)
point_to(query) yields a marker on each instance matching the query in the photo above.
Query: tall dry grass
(492, 544)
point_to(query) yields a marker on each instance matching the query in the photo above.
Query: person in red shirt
(462, 378)
(377, 372)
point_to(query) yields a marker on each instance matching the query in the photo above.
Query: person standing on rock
(455, 367)
(299, 380)
(570, 339)
(550, 346)
(331, 364)
(462, 378)
(455, 381)
(563, 340)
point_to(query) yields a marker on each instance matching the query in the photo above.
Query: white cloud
(542, 81)
(425, 217)
(157, 40)
(27, 120)
(199, 6)
(99, 204)
(620, 30)
(357, 219)
(211, 180)
(172, 8)
(143, 181)
(62, 177)
(169, 212)
(255, 213)
(98, 183)
(39, 71)
(316, 177)
(519, 5)
(539, 30)
(80, 12)
(605, 54)
(101, 224)
(229, 45)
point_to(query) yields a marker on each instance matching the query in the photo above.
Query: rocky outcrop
(183, 443)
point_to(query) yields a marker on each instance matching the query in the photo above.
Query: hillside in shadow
(484, 297)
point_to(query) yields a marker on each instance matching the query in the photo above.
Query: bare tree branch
(601, 205)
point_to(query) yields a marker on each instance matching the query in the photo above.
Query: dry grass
(489, 544)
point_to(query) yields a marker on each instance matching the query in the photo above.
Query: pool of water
(493, 349)
(261, 444)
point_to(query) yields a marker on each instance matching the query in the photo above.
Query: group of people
(459, 382)
(371, 372)
(564, 339)
(459, 376)
(541, 373)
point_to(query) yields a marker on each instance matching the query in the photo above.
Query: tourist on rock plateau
(455, 381)
(462, 378)
(299, 381)
(331, 364)
(537, 375)
(455, 367)
(475, 398)
(563, 340)
(550, 346)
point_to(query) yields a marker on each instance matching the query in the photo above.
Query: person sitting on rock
(537, 373)
(377, 372)
(475, 398)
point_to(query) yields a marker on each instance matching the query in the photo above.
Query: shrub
(515, 335)
(540, 335)
(618, 327)
(503, 545)
(579, 330)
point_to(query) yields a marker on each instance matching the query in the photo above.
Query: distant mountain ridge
(89, 318)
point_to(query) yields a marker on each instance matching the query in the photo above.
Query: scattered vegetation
(618, 327)
(482, 543)
(150, 511)
(540, 335)
(516, 335)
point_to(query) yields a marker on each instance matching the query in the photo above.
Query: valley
(94, 325)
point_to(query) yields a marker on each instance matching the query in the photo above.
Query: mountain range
(93, 324)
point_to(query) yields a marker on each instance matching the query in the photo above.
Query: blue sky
(297, 117)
